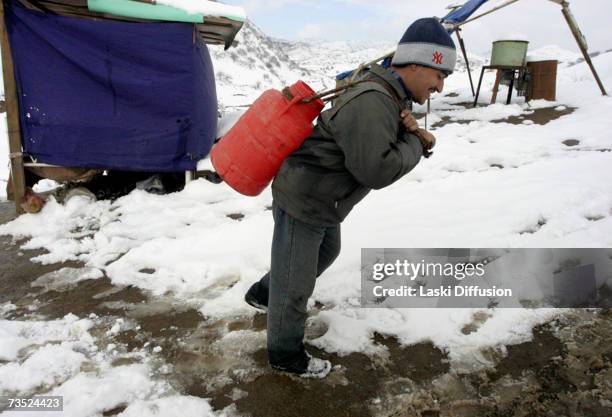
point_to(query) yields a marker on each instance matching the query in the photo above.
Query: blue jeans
(301, 252)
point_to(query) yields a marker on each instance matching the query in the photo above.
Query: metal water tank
(511, 53)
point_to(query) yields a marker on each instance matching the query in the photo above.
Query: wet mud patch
(347, 391)
(540, 116)
(161, 330)
(478, 319)
(18, 272)
(115, 411)
(421, 362)
(529, 355)
(563, 371)
(236, 216)
(560, 372)
(166, 323)
(594, 218)
(354, 387)
(90, 296)
(257, 323)
(571, 142)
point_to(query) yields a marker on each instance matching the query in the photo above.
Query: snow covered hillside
(327, 59)
(254, 65)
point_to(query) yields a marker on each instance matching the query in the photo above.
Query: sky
(539, 21)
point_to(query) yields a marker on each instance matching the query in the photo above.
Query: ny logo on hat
(438, 58)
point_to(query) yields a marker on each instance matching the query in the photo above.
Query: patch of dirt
(347, 392)
(478, 319)
(84, 299)
(17, 271)
(540, 116)
(571, 142)
(534, 354)
(421, 362)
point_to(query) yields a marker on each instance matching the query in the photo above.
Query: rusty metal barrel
(543, 84)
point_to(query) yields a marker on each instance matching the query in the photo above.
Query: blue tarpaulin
(112, 95)
(464, 12)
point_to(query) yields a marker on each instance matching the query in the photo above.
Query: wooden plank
(467, 61)
(498, 78)
(581, 44)
(12, 115)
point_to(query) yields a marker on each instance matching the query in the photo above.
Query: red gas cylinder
(251, 153)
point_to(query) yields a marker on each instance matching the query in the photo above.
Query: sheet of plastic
(464, 12)
(139, 10)
(112, 95)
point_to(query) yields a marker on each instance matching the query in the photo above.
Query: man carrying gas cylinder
(366, 141)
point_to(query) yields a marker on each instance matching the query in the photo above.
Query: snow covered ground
(490, 183)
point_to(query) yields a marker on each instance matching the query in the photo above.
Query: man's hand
(427, 139)
(409, 121)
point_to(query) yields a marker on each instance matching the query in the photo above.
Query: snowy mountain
(327, 59)
(260, 62)
(256, 64)
(548, 52)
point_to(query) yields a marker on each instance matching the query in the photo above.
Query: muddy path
(565, 370)
(538, 116)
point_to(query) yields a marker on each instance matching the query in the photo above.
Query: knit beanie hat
(427, 43)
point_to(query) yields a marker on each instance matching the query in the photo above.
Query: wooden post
(569, 17)
(482, 71)
(498, 77)
(467, 61)
(12, 115)
(511, 88)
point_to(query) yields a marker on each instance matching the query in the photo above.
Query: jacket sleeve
(367, 131)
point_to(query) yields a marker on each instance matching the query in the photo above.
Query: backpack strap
(357, 89)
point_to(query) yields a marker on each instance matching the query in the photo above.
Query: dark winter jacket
(358, 145)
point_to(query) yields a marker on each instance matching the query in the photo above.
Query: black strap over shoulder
(360, 87)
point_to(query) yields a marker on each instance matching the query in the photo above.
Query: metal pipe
(467, 61)
(485, 13)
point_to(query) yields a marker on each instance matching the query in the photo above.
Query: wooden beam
(498, 78)
(12, 115)
(508, 3)
(465, 57)
(571, 21)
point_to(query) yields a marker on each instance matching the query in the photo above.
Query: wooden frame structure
(571, 22)
(213, 31)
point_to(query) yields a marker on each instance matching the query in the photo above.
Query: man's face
(423, 81)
